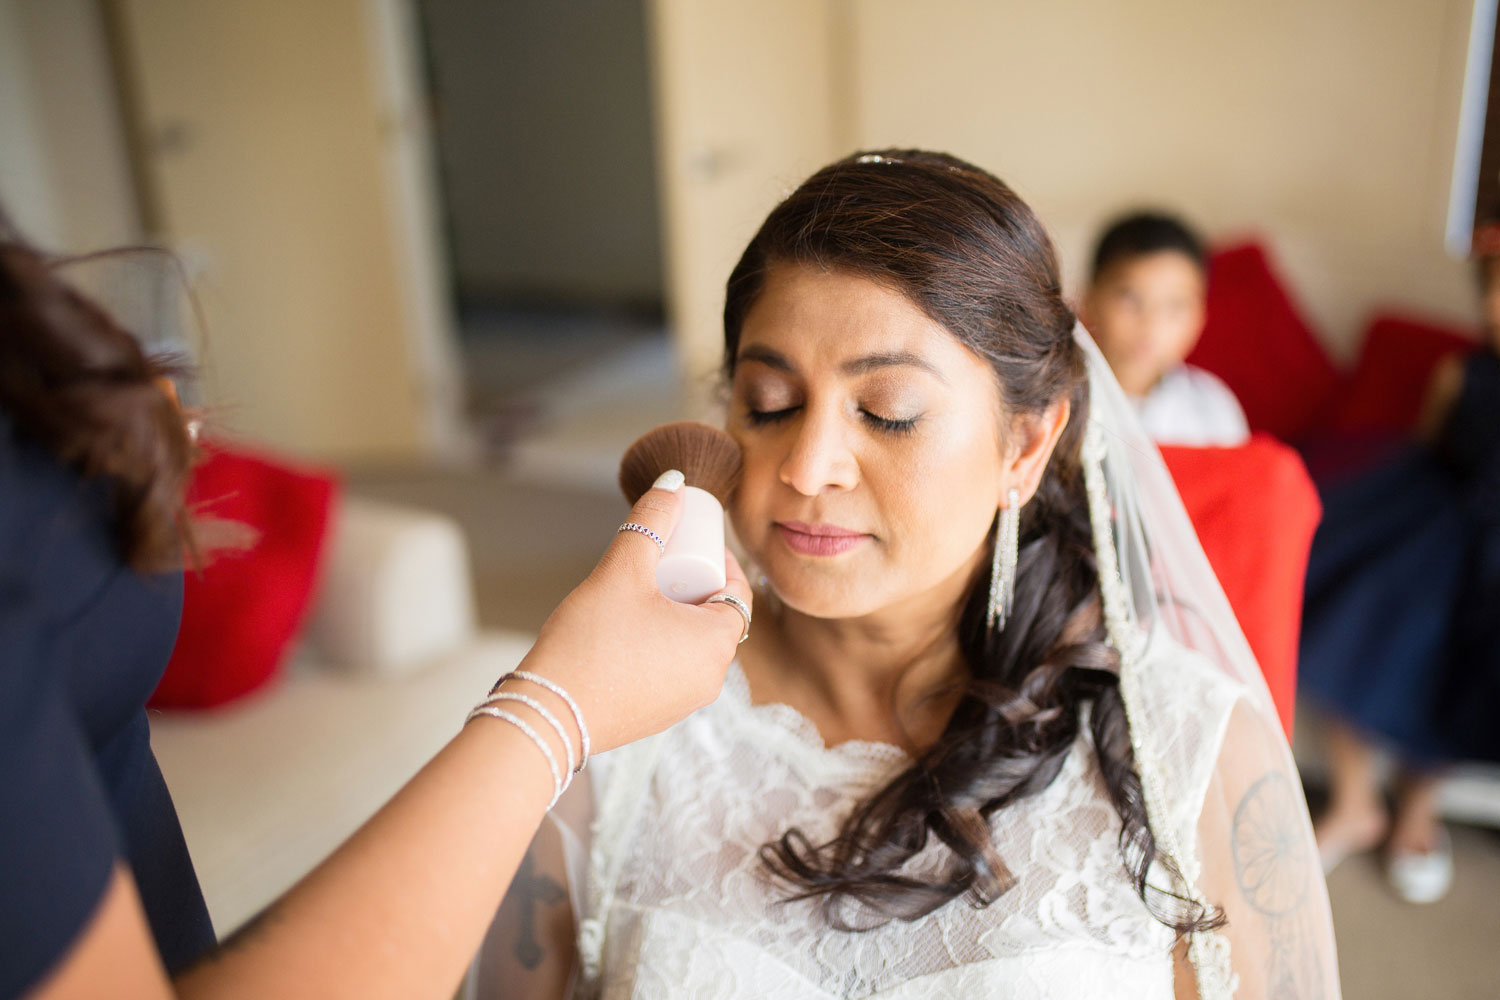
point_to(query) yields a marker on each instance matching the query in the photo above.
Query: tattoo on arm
(529, 889)
(1274, 868)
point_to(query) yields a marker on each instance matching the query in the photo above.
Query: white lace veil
(1247, 848)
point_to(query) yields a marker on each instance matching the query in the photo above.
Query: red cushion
(1255, 510)
(1258, 343)
(1395, 364)
(241, 611)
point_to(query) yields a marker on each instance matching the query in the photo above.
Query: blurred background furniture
(1258, 341)
(326, 669)
(1257, 541)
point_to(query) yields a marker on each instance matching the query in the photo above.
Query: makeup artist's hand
(636, 661)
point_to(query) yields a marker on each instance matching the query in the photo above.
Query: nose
(819, 457)
(1160, 320)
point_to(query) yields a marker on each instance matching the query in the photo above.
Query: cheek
(759, 478)
(1114, 319)
(937, 496)
(1178, 336)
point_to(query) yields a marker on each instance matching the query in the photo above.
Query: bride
(995, 732)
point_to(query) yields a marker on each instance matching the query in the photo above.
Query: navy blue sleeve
(57, 839)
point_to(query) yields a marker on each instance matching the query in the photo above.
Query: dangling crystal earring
(1007, 551)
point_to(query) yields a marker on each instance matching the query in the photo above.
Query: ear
(1033, 436)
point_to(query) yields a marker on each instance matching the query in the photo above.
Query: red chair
(1395, 364)
(1257, 341)
(241, 611)
(1255, 510)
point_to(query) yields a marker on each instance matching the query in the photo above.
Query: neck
(1141, 387)
(893, 676)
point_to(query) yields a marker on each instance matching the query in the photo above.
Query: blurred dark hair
(76, 383)
(1142, 233)
(959, 244)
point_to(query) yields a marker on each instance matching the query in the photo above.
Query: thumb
(652, 521)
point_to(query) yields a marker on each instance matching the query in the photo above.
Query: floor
(540, 513)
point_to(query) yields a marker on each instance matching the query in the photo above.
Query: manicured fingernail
(671, 481)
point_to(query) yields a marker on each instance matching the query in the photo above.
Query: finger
(736, 581)
(735, 584)
(657, 511)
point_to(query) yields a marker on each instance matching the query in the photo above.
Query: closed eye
(759, 417)
(887, 424)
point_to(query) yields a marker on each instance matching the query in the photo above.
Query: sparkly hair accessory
(893, 161)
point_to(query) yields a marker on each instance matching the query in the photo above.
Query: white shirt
(1192, 407)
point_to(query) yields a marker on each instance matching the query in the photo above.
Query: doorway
(542, 121)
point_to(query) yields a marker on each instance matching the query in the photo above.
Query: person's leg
(1355, 819)
(1419, 858)
(1417, 828)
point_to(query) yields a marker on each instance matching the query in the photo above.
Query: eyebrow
(854, 366)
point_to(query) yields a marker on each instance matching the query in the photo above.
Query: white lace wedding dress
(676, 903)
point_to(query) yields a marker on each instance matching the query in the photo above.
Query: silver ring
(641, 529)
(736, 604)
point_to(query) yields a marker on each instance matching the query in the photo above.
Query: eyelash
(759, 418)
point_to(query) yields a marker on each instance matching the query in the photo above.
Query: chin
(821, 595)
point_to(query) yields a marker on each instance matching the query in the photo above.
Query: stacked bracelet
(547, 717)
(490, 706)
(558, 785)
(555, 688)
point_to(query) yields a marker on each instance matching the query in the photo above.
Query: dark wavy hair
(958, 243)
(75, 382)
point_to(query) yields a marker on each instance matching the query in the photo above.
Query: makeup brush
(692, 566)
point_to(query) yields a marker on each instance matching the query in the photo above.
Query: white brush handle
(692, 567)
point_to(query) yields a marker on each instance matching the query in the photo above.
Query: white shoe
(1422, 877)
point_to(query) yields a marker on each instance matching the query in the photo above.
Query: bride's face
(873, 456)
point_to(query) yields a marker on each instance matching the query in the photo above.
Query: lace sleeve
(1260, 864)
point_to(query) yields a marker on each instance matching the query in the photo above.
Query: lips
(819, 539)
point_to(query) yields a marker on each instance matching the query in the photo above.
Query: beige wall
(1327, 126)
(285, 155)
(748, 102)
(64, 168)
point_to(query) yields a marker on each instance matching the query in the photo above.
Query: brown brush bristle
(706, 456)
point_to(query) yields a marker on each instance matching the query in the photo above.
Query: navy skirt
(1383, 583)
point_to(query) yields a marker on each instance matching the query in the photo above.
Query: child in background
(1145, 309)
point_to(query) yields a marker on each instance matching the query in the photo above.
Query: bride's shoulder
(1186, 702)
(1175, 676)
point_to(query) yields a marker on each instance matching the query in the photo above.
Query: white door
(748, 104)
(284, 153)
